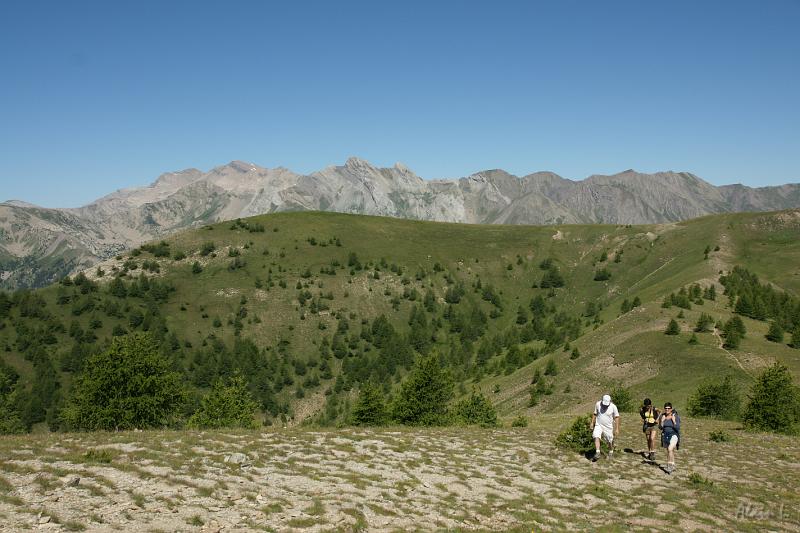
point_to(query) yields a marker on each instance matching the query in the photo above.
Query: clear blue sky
(95, 96)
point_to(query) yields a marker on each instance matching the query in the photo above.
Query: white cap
(606, 399)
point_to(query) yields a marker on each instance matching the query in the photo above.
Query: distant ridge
(39, 245)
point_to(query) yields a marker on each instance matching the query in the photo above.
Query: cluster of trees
(773, 403)
(685, 297)
(750, 298)
(552, 278)
(423, 400)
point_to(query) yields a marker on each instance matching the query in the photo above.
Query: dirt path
(721, 346)
(650, 274)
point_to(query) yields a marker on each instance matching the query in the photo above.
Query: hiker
(670, 424)
(605, 424)
(650, 415)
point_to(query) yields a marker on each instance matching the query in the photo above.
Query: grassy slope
(629, 350)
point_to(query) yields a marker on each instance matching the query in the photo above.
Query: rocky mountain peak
(357, 165)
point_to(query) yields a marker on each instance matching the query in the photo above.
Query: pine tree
(370, 409)
(424, 394)
(774, 402)
(775, 333)
(476, 409)
(704, 323)
(128, 386)
(228, 405)
(673, 328)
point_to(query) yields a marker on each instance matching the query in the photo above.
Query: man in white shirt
(605, 424)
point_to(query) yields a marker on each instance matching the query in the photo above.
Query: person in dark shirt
(670, 424)
(650, 415)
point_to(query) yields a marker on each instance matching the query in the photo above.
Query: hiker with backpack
(650, 415)
(605, 424)
(670, 424)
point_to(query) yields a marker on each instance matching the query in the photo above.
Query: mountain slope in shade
(39, 245)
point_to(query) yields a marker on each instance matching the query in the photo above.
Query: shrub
(699, 482)
(719, 399)
(577, 437)
(477, 409)
(128, 386)
(551, 369)
(207, 248)
(520, 422)
(720, 436)
(424, 394)
(774, 403)
(370, 409)
(622, 399)
(602, 275)
(228, 405)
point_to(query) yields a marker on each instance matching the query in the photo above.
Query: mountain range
(39, 245)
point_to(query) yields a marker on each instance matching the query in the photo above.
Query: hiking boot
(596, 455)
(610, 454)
(670, 468)
(651, 456)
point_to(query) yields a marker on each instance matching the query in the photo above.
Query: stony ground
(393, 479)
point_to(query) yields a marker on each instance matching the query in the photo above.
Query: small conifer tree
(673, 328)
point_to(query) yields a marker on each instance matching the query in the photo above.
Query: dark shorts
(649, 429)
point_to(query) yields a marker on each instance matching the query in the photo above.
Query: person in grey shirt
(670, 424)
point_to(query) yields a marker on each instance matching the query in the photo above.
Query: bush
(520, 422)
(622, 399)
(477, 409)
(207, 248)
(578, 437)
(699, 482)
(774, 403)
(720, 436)
(128, 386)
(370, 409)
(718, 399)
(228, 405)
(602, 275)
(424, 394)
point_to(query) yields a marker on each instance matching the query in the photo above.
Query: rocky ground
(393, 479)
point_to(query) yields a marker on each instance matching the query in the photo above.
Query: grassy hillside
(293, 301)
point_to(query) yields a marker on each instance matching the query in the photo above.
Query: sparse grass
(139, 499)
(195, 520)
(272, 508)
(317, 508)
(301, 522)
(98, 456)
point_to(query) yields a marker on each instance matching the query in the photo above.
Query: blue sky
(98, 96)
